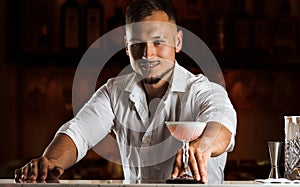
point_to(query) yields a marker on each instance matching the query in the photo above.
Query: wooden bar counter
(121, 183)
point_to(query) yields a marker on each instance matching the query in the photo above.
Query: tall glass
(292, 147)
(185, 131)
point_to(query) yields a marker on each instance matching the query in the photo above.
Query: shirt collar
(179, 79)
(134, 82)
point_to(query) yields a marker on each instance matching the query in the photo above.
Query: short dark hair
(140, 9)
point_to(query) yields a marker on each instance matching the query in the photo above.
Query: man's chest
(134, 113)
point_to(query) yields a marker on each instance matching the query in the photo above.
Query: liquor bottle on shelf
(43, 40)
(285, 31)
(193, 20)
(40, 42)
(116, 37)
(117, 20)
(216, 27)
(93, 22)
(239, 28)
(70, 26)
(261, 29)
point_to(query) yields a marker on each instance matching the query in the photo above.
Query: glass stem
(185, 156)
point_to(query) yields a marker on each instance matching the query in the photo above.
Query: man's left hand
(213, 142)
(197, 161)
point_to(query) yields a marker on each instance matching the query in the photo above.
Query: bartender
(135, 107)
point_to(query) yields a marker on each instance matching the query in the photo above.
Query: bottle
(285, 31)
(216, 34)
(43, 40)
(70, 25)
(116, 37)
(193, 20)
(114, 22)
(239, 28)
(117, 20)
(261, 33)
(93, 19)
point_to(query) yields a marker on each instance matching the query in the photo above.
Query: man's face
(151, 46)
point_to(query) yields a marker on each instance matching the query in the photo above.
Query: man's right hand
(39, 169)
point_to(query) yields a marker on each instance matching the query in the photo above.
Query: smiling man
(136, 106)
(151, 47)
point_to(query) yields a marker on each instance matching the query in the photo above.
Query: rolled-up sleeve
(216, 106)
(92, 123)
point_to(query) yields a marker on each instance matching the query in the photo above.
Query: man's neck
(157, 90)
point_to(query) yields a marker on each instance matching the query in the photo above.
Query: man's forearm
(61, 151)
(216, 137)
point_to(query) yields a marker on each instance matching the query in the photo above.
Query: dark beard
(151, 81)
(156, 80)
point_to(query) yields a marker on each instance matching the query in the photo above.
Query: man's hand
(197, 160)
(213, 142)
(39, 169)
(60, 154)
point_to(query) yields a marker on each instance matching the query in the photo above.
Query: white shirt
(147, 149)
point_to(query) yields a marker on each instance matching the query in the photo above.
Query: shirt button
(147, 139)
(131, 96)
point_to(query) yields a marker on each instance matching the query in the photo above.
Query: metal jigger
(274, 152)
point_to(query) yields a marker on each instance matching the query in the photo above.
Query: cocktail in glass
(185, 131)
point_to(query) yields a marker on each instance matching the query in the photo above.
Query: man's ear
(126, 45)
(178, 46)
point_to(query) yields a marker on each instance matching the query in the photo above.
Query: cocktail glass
(185, 131)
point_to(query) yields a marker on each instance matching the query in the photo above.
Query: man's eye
(157, 42)
(133, 45)
(137, 45)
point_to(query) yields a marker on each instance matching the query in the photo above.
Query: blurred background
(256, 42)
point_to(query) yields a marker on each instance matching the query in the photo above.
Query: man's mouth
(152, 64)
(149, 64)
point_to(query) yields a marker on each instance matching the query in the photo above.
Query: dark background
(36, 76)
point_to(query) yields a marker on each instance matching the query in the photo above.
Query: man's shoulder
(121, 81)
(200, 82)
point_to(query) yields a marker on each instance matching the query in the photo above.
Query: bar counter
(121, 183)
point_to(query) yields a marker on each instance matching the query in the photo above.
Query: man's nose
(149, 50)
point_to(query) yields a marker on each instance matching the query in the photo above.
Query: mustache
(144, 63)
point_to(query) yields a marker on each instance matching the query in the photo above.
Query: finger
(17, 174)
(202, 166)
(57, 172)
(33, 169)
(24, 172)
(194, 166)
(182, 171)
(17, 180)
(177, 165)
(43, 167)
(54, 172)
